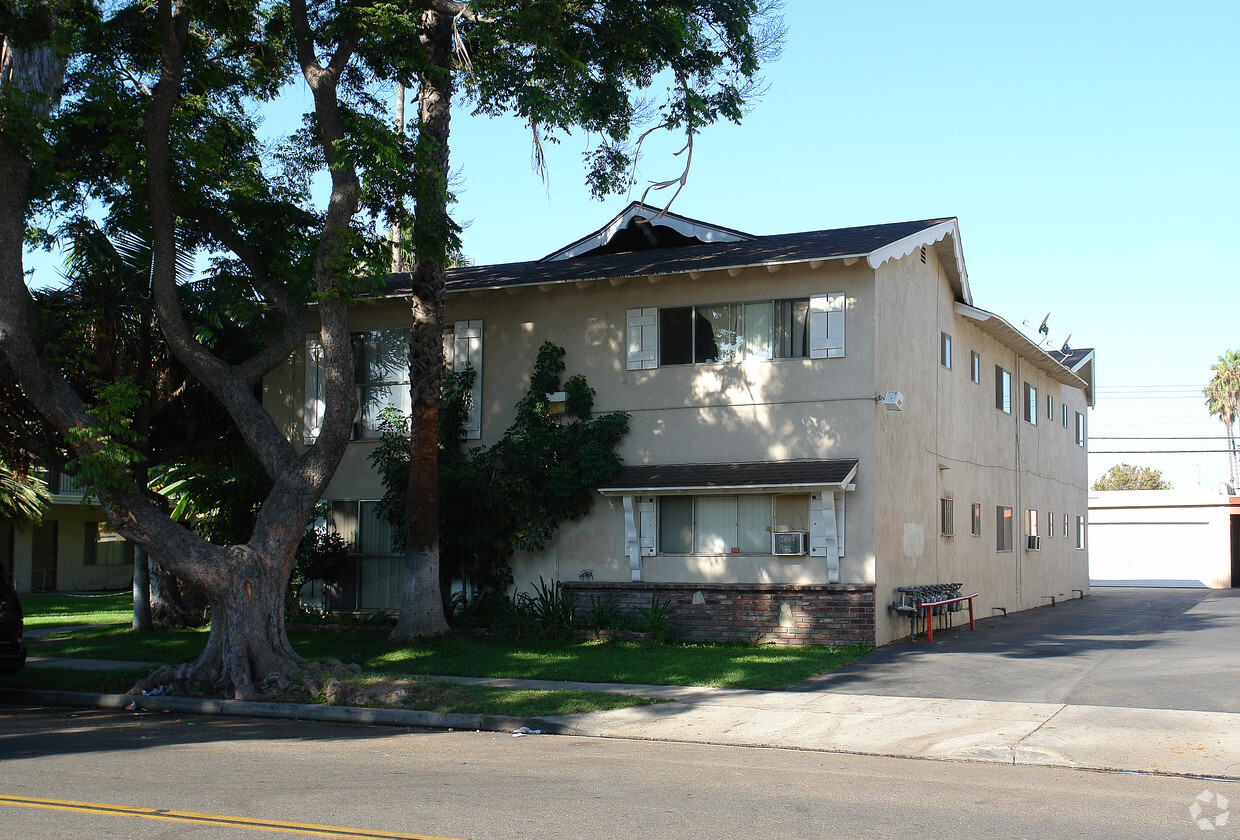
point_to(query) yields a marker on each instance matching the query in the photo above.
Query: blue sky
(1089, 151)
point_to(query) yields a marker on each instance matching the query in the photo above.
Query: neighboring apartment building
(834, 393)
(73, 549)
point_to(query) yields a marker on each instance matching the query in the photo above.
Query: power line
(1158, 437)
(1160, 452)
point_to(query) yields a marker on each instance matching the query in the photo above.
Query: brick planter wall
(810, 614)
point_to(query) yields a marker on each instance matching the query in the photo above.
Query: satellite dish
(1066, 349)
(1043, 329)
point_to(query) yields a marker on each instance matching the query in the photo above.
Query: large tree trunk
(174, 602)
(247, 650)
(421, 606)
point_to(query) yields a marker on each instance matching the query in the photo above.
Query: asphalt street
(143, 775)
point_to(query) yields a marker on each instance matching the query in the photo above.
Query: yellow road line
(210, 819)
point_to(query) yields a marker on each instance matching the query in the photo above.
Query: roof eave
(1015, 340)
(953, 263)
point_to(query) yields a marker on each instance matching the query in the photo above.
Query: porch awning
(752, 477)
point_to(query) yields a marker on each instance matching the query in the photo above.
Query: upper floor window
(1050, 408)
(945, 350)
(1031, 404)
(975, 366)
(947, 517)
(1080, 429)
(1003, 390)
(975, 520)
(794, 328)
(1003, 528)
(381, 374)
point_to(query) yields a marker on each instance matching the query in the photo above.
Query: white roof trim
(681, 224)
(1016, 340)
(929, 236)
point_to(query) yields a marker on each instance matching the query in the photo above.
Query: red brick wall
(815, 614)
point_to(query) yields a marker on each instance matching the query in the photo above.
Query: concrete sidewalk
(1096, 737)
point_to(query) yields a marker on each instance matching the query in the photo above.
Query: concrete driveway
(1134, 648)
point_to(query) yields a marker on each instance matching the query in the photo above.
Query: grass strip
(723, 666)
(61, 610)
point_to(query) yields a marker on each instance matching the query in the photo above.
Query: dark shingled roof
(739, 475)
(761, 250)
(1072, 358)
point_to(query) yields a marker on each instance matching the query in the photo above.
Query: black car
(12, 626)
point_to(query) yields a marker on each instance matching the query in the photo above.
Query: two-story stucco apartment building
(817, 419)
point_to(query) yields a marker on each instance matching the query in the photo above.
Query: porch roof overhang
(749, 477)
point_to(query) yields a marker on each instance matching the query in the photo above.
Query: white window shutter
(826, 326)
(823, 532)
(643, 338)
(646, 526)
(467, 351)
(316, 390)
(639, 531)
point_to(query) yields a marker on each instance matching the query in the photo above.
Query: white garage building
(1164, 538)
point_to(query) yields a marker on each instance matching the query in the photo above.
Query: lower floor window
(104, 547)
(374, 579)
(1080, 532)
(715, 524)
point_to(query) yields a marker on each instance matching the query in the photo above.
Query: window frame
(1080, 532)
(735, 547)
(1030, 403)
(1003, 390)
(1003, 528)
(1080, 430)
(975, 367)
(820, 323)
(975, 519)
(947, 517)
(945, 350)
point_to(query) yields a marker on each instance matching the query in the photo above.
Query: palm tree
(1223, 400)
(23, 495)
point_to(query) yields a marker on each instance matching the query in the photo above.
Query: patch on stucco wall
(914, 539)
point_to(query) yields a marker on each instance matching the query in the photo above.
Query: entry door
(43, 563)
(6, 545)
(1235, 551)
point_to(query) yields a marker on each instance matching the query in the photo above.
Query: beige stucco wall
(987, 456)
(1161, 537)
(711, 413)
(790, 409)
(32, 551)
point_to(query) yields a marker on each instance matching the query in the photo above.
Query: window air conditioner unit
(789, 542)
(1033, 543)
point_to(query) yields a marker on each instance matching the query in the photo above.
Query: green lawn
(725, 666)
(60, 610)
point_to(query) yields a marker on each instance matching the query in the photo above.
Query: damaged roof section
(688, 246)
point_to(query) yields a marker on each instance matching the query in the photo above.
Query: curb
(287, 711)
